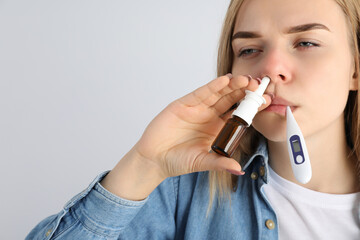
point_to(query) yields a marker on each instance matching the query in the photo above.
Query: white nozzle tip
(265, 80)
(263, 85)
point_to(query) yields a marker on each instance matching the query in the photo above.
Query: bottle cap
(253, 100)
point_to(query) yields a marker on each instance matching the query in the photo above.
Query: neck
(333, 170)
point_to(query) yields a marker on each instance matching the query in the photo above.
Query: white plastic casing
(250, 104)
(299, 157)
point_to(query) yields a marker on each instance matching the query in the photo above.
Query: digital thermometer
(299, 157)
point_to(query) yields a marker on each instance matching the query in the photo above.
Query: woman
(310, 50)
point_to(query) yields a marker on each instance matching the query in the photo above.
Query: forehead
(262, 14)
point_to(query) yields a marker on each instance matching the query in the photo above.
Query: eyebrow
(308, 27)
(295, 29)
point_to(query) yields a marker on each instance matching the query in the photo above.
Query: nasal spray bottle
(229, 137)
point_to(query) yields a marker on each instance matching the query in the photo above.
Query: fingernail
(229, 75)
(235, 172)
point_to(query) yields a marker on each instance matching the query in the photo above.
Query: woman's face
(304, 46)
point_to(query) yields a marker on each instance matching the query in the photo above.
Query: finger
(207, 94)
(208, 161)
(232, 94)
(227, 102)
(268, 102)
(224, 104)
(253, 85)
(237, 82)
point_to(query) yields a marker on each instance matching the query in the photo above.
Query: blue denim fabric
(176, 209)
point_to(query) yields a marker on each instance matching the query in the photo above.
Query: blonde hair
(223, 182)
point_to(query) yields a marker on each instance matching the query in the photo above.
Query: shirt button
(254, 175)
(270, 224)
(262, 171)
(48, 232)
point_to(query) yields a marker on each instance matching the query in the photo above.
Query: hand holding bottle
(178, 140)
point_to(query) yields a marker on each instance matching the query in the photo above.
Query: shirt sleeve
(96, 213)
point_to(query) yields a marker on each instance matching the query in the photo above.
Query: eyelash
(245, 52)
(312, 44)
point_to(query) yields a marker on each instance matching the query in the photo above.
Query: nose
(276, 64)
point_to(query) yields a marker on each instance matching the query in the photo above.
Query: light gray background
(79, 82)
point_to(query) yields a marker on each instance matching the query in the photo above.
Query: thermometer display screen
(296, 146)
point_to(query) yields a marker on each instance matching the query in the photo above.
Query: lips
(278, 105)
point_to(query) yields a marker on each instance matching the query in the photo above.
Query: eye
(306, 44)
(248, 52)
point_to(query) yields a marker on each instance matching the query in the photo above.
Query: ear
(354, 81)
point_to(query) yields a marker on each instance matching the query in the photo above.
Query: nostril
(282, 77)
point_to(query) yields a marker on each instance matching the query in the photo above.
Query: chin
(271, 126)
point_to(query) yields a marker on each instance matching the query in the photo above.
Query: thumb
(213, 161)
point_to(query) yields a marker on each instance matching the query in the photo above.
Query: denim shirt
(176, 209)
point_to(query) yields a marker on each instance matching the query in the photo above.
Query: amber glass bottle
(230, 135)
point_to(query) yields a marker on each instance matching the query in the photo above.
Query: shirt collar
(260, 157)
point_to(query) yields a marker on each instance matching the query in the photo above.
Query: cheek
(326, 94)
(323, 81)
